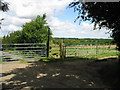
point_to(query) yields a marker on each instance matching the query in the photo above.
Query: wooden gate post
(62, 49)
(96, 47)
(48, 42)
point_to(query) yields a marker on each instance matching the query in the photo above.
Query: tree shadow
(110, 73)
(69, 73)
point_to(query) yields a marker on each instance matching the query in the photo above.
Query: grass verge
(22, 61)
(2, 62)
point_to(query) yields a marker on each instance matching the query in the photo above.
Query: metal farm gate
(26, 50)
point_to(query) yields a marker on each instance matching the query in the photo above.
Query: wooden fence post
(62, 49)
(48, 42)
(96, 47)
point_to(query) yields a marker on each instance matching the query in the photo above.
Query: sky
(60, 19)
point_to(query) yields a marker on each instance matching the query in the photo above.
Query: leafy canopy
(103, 14)
(35, 31)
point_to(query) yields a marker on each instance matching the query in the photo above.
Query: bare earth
(11, 66)
(65, 74)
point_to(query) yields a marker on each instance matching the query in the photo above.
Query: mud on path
(65, 74)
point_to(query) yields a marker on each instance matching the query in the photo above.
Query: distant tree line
(85, 41)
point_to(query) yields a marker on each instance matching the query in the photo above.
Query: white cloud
(31, 8)
(22, 11)
(68, 29)
(86, 30)
(8, 29)
(11, 28)
(61, 28)
(13, 20)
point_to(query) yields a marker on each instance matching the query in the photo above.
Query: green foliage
(103, 14)
(50, 59)
(2, 62)
(1, 40)
(14, 37)
(35, 31)
(22, 61)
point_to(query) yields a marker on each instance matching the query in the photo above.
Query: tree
(3, 6)
(35, 31)
(103, 14)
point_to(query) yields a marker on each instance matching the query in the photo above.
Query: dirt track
(11, 66)
(67, 74)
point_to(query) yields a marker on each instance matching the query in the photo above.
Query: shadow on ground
(67, 73)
